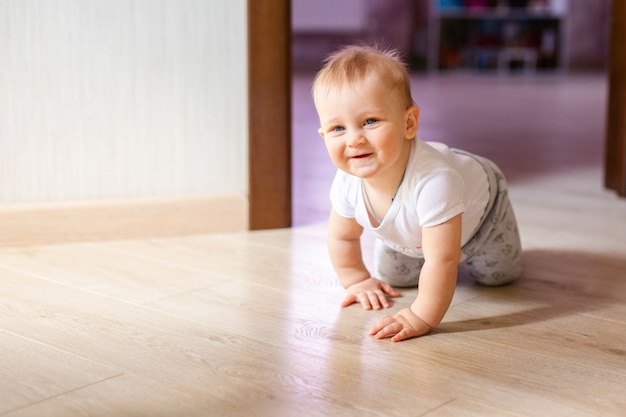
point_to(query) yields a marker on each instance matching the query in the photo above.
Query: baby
(430, 207)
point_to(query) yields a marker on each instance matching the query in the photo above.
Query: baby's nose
(355, 139)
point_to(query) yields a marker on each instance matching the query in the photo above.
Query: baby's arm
(344, 247)
(442, 252)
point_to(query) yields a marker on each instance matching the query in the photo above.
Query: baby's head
(353, 64)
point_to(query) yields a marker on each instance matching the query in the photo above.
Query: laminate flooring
(249, 324)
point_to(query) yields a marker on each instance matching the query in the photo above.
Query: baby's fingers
(378, 299)
(366, 301)
(375, 300)
(380, 324)
(385, 327)
(369, 300)
(349, 300)
(388, 289)
(402, 335)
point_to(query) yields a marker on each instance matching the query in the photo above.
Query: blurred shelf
(492, 35)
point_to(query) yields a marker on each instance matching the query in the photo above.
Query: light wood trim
(269, 113)
(615, 150)
(123, 219)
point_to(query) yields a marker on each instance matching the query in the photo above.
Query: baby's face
(365, 127)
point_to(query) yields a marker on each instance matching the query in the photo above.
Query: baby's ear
(412, 122)
(321, 132)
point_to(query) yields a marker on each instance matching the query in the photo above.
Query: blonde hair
(352, 64)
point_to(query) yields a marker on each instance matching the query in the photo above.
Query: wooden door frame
(269, 111)
(269, 114)
(615, 141)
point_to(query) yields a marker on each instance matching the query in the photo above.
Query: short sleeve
(440, 198)
(344, 194)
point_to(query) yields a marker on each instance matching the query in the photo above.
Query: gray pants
(492, 255)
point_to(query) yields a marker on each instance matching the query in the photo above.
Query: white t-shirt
(438, 185)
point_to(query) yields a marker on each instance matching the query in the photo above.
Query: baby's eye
(338, 129)
(370, 121)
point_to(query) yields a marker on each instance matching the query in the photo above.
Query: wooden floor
(250, 325)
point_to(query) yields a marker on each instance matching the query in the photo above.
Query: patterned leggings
(492, 255)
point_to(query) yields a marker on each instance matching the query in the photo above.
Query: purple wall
(403, 24)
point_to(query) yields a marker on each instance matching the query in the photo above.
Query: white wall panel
(104, 99)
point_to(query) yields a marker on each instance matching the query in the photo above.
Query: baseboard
(124, 219)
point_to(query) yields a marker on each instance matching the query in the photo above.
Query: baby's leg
(493, 254)
(395, 268)
(498, 259)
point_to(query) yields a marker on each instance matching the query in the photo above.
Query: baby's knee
(398, 274)
(396, 269)
(401, 280)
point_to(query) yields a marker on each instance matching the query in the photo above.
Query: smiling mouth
(365, 155)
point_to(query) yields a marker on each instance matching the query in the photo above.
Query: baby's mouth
(365, 155)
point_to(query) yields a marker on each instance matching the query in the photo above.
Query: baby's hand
(404, 325)
(371, 293)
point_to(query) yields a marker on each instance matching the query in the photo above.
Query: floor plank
(32, 372)
(126, 395)
(88, 267)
